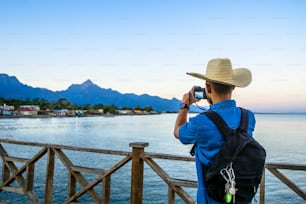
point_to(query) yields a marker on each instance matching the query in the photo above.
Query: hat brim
(242, 77)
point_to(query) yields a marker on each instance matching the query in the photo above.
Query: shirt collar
(223, 104)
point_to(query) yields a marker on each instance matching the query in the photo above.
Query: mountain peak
(85, 93)
(8, 80)
(87, 82)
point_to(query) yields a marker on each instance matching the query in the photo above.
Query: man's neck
(219, 98)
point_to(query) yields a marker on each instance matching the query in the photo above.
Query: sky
(147, 46)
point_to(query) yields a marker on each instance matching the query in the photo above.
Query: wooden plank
(168, 157)
(65, 147)
(13, 190)
(14, 170)
(99, 179)
(30, 194)
(83, 182)
(15, 159)
(87, 170)
(71, 185)
(285, 166)
(262, 188)
(185, 183)
(171, 196)
(78, 176)
(3, 153)
(106, 189)
(137, 173)
(29, 181)
(184, 195)
(5, 172)
(23, 168)
(49, 176)
(162, 174)
(5, 169)
(16, 174)
(289, 183)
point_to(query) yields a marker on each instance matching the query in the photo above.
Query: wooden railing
(274, 169)
(24, 175)
(21, 170)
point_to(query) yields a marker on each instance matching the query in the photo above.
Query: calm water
(283, 136)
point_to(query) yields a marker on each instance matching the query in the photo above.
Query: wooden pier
(21, 171)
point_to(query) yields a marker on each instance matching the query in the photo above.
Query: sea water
(283, 136)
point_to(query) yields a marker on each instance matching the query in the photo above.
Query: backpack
(236, 173)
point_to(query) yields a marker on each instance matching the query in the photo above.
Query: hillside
(85, 93)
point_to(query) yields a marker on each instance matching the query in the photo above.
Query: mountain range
(85, 93)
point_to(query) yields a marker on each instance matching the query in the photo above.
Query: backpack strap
(223, 127)
(244, 121)
(219, 122)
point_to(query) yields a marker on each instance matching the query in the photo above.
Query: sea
(282, 135)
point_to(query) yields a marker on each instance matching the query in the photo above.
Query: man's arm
(182, 115)
(180, 120)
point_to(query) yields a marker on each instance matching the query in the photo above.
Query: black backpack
(241, 152)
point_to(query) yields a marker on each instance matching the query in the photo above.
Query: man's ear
(208, 88)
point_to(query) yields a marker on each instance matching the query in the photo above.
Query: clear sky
(147, 46)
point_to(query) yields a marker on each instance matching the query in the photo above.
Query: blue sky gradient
(147, 46)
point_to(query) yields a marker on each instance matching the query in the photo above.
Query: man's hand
(189, 99)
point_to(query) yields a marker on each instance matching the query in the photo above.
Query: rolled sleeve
(188, 132)
(252, 122)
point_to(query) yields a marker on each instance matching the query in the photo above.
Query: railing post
(137, 172)
(262, 188)
(171, 196)
(106, 190)
(49, 176)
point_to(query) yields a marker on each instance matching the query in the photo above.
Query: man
(221, 79)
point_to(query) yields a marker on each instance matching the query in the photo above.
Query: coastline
(115, 115)
(72, 116)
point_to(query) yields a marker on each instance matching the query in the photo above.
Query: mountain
(10, 87)
(85, 93)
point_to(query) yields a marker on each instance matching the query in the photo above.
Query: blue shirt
(201, 131)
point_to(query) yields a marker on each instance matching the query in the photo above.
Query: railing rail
(24, 175)
(274, 169)
(11, 173)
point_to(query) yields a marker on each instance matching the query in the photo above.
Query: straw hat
(220, 70)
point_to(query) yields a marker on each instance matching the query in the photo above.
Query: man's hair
(222, 88)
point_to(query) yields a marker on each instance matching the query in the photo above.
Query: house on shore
(7, 110)
(28, 110)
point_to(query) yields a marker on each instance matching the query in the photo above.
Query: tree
(87, 107)
(110, 109)
(42, 103)
(148, 108)
(126, 108)
(138, 107)
(98, 106)
(61, 103)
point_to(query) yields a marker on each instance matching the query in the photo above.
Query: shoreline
(83, 116)
(115, 115)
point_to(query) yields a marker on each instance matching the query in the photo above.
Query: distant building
(7, 110)
(79, 113)
(28, 110)
(136, 111)
(60, 112)
(124, 112)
